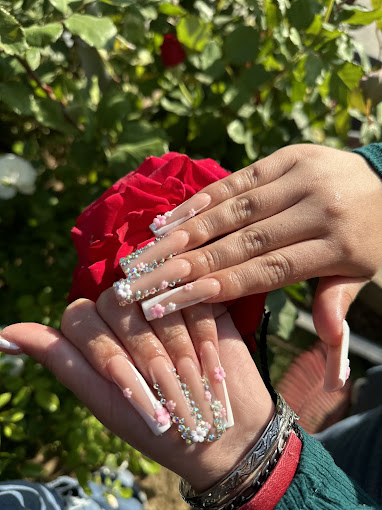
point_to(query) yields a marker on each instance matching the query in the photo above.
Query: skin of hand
(94, 334)
(305, 211)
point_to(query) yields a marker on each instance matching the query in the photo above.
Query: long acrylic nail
(154, 254)
(129, 290)
(9, 346)
(216, 376)
(337, 362)
(171, 219)
(138, 394)
(179, 298)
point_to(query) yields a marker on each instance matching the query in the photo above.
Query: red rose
(118, 223)
(171, 51)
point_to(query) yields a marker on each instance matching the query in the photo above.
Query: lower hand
(92, 356)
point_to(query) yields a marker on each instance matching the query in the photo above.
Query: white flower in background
(16, 175)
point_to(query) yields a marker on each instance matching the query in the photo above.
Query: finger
(85, 329)
(291, 226)
(174, 336)
(50, 348)
(152, 359)
(253, 176)
(333, 298)
(267, 272)
(242, 210)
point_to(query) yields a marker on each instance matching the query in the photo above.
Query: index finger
(253, 176)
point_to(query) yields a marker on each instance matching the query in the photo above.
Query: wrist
(219, 459)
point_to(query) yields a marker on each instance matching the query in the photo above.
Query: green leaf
(61, 5)
(18, 97)
(11, 416)
(236, 131)
(254, 77)
(301, 13)
(193, 32)
(126, 492)
(171, 10)
(49, 114)
(5, 398)
(32, 56)
(242, 45)
(41, 36)
(350, 74)
(364, 17)
(97, 32)
(313, 69)
(283, 314)
(12, 39)
(211, 53)
(47, 400)
(148, 466)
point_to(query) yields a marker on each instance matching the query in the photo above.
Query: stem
(329, 11)
(49, 92)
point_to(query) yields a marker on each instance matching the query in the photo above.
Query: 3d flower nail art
(127, 393)
(219, 374)
(162, 416)
(198, 435)
(157, 311)
(163, 223)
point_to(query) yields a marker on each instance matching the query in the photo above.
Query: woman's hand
(305, 211)
(101, 348)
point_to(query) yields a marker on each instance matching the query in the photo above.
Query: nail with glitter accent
(216, 376)
(337, 363)
(154, 254)
(163, 223)
(127, 291)
(179, 298)
(137, 392)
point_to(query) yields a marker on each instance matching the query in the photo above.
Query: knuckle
(210, 260)
(245, 208)
(226, 188)
(277, 270)
(253, 242)
(251, 174)
(76, 313)
(202, 227)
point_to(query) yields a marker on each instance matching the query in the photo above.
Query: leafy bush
(85, 97)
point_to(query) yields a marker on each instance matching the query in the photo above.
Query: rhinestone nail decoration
(201, 433)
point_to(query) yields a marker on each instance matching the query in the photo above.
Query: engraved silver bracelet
(247, 477)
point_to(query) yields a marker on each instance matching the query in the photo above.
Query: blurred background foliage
(88, 89)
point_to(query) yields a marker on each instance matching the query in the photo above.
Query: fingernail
(138, 394)
(9, 346)
(164, 222)
(337, 363)
(129, 290)
(154, 254)
(179, 298)
(215, 373)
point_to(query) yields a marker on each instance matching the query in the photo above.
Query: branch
(49, 92)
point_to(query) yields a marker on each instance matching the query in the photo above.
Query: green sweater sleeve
(319, 484)
(373, 155)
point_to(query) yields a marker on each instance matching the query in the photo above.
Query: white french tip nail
(155, 427)
(337, 363)
(182, 213)
(10, 346)
(230, 422)
(180, 297)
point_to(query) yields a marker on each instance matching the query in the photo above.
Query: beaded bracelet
(244, 481)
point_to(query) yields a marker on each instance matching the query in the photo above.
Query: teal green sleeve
(319, 484)
(373, 155)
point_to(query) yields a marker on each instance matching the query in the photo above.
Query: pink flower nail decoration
(162, 416)
(219, 374)
(127, 393)
(207, 395)
(141, 266)
(171, 405)
(207, 425)
(188, 286)
(157, 311)
(160, 221)
(223, 412)
(191, 213)
(151, 243)
(164, 285)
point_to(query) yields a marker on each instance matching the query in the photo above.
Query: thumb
(333, 298)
